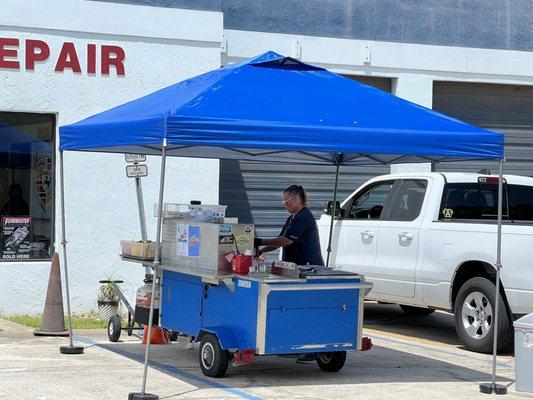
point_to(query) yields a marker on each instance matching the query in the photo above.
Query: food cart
(276, 109)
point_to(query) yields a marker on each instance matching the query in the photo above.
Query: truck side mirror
(328, 209)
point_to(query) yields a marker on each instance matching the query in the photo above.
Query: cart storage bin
(138, 249)
(284, 317)
(523, 343)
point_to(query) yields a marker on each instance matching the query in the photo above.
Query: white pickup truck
(428, 241)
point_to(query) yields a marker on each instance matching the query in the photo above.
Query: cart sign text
(27, 54)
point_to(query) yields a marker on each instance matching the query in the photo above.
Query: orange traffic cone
(159, 335)
(53, 316)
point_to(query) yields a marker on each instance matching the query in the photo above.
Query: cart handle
(110, 281)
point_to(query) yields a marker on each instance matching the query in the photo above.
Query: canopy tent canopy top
(273, 108)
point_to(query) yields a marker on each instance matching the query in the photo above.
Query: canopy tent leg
(492, 387)
(71, 349)
(157, 259)
(334, 211)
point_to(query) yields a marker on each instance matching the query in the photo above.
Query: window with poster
(26, 186)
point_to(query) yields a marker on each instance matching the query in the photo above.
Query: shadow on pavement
(380, 365)
(438, 327)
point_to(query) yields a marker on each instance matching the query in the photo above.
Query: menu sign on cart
(15, 237)
(188, 240)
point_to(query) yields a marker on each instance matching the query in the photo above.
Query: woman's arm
(280, 241)
(268, 249)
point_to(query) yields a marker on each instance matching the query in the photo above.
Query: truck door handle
(405, 235)
(368, 234)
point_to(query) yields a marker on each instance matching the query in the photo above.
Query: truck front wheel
(474, 313)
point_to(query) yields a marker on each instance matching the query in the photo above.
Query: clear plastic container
(173, 210)
(195, 212)
(143, 250)
(207, 212)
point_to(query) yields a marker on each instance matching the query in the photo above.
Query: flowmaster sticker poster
(15, 237)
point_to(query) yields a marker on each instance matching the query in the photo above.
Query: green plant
(89, 320)
(107, 294)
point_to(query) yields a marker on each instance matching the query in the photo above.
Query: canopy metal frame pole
(71, 349)
(334, 211)
(492, 387)
(143, 394)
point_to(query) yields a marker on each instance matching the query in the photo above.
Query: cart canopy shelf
(273, 108)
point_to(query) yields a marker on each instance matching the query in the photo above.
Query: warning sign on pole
(136, 171)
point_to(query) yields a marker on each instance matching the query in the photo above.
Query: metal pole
(156, 262)
(71, 349)
(334, 211)
(494, 388)
(140, 203)
(498, 267)
(142, 215)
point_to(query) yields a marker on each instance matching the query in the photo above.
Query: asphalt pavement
(412, 358)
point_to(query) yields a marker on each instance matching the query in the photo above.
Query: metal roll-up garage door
(253, 192)
(504, 108)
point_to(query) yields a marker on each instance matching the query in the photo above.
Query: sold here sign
(26, 54)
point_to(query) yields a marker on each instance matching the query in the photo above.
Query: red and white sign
(26, 54)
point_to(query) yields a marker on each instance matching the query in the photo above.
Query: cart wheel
(172, 336)
(213, 360)
(113, 328)
(332, 361)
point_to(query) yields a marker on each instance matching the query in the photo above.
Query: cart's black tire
(172, 336)
(416, 311)
(213, 359)
(331, 361)
(113, 328)
(481, 290)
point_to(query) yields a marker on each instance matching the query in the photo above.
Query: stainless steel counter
(217, 277)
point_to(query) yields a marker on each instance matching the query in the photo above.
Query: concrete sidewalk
(398, 367)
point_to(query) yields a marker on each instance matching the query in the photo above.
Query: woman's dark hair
(296, 190)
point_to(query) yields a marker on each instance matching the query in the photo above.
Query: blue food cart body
(271, 316)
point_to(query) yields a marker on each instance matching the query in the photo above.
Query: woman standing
(299, 237)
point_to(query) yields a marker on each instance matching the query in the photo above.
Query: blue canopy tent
(273, 108)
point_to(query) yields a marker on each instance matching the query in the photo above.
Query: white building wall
(163, 46)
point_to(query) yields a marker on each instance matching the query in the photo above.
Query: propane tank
(142, 302)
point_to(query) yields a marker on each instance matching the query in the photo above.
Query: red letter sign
(91, 58)
(68, 58)
(12, 64)
(32, 56)
(117, 61)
